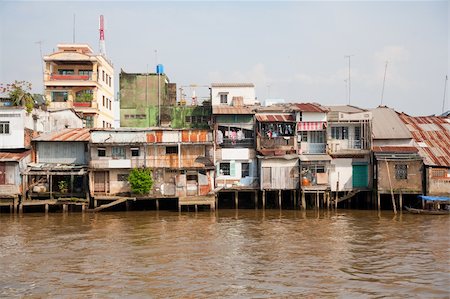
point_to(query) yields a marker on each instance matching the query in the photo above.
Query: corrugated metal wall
(61, 152)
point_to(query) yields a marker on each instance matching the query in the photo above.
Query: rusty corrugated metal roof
(232, 85)
(394, 149)
(275, 118)
(78, 134)
(387, 125)
(13, 156)
(233, 110)
(310, 107)
(432, 136)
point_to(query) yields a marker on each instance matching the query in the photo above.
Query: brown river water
(227, 254)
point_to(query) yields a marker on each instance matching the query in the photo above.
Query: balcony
(276, 142)
(70, 77)
(313, 148)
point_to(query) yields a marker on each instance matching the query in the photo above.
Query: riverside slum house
(236, 179)
(349, 145)
(432, 138)
(58, 173)
(277, 153)
(397, 172)
(314, 160)
(181, 161)
(17, 127)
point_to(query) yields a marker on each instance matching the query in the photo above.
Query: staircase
(348, 195)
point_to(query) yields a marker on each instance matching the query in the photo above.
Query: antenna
(39, 42)
(73, 34)
(349, 78)
(445, 93)
(384, 80)
(101, 28)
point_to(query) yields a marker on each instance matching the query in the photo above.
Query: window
(317, 137)
(118, 152)
(60, 96)
(171, 150)
(4, 127)
(339, 133)
(103, 101)
(223, 98)
(304, 136)
(401, 171)
(88, 121)
(103, 76)
(66, 72)
(85, 73)
(245, 170)
(101, 152)
(122, 177)
(224, 168)
(135, 152)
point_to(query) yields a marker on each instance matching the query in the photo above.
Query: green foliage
(63, 186)
(84, 98)
(141, 180)
(19, 93)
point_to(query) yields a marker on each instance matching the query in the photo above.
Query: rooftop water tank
(160, 69)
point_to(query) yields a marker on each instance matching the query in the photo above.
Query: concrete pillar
(400, 204)
(303, 200)
(236, 199)
(379, 200)
(264, 199)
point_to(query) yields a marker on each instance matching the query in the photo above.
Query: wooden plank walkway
(111, 204)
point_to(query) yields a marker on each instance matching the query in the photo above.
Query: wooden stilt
(279, 199)
(64, 208)
(295, 199)
(303, 200)
(157, 204)
(400, 204)
(20, 208)
(317, 200)
(379, 200)
(46, 208)
(336, 200)
(236, 199)
(264, 199)
(255, 194)
(196, 208)
(83, 208)
(216, 200)
(95, 203)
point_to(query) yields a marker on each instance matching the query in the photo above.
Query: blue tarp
(435, 198)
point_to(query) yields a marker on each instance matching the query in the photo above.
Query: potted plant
(83, 99)
(63, 186)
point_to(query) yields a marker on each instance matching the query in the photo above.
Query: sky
(297, 51)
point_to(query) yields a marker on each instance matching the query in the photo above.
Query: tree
(19, 93)
(141, 180)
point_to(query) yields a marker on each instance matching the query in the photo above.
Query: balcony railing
(70, 77)
(246, 142)
(276, 142)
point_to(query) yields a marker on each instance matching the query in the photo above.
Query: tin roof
(232, 85)
(78, 134)
(13, 156)
(387, 125)
(275, 117)
(309, 107)
(432, 137)
(345, 109)
(233, 110)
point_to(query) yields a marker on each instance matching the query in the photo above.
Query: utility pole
(384, 80)
(349, 78)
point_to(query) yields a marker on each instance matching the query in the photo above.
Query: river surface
(227, 254)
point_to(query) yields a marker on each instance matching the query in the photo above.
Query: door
(100, 182)
(2, 173)
(360, 175)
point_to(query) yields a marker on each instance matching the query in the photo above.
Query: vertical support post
(264, 199)
(83, 208)
(379, 200)
(16, 204)
(64, 208)
(317, 200)
(71, 185)
(236, 199)
(336, 200)
(303, 200)
(157, 204)
(196, 208)
(255, 194)
(20, 208)
(279, 199)
(51, 185)
(46, 208)
(295, 199)
(400, 204)
(216, 199)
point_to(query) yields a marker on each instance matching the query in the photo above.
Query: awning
(287, 118)
(311, 126)
(435, 198)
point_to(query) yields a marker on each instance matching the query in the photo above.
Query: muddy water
(228, 254)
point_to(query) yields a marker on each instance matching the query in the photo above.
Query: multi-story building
(349, 143)
(235, 156)
(77, 78)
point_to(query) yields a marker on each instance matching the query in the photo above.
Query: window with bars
(135, 152)
(101, 152)
(339, 133)
(4, 127)
(245, 170)
(401, 171)
(171, 149)
(224, 168)
(223, 98)
(122, 177)
(118, 152)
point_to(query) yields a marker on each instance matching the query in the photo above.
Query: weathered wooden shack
(397, 167)
(432, 139)
(277, 148)
(181, 162)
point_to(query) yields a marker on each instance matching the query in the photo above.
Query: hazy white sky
(289, 50)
